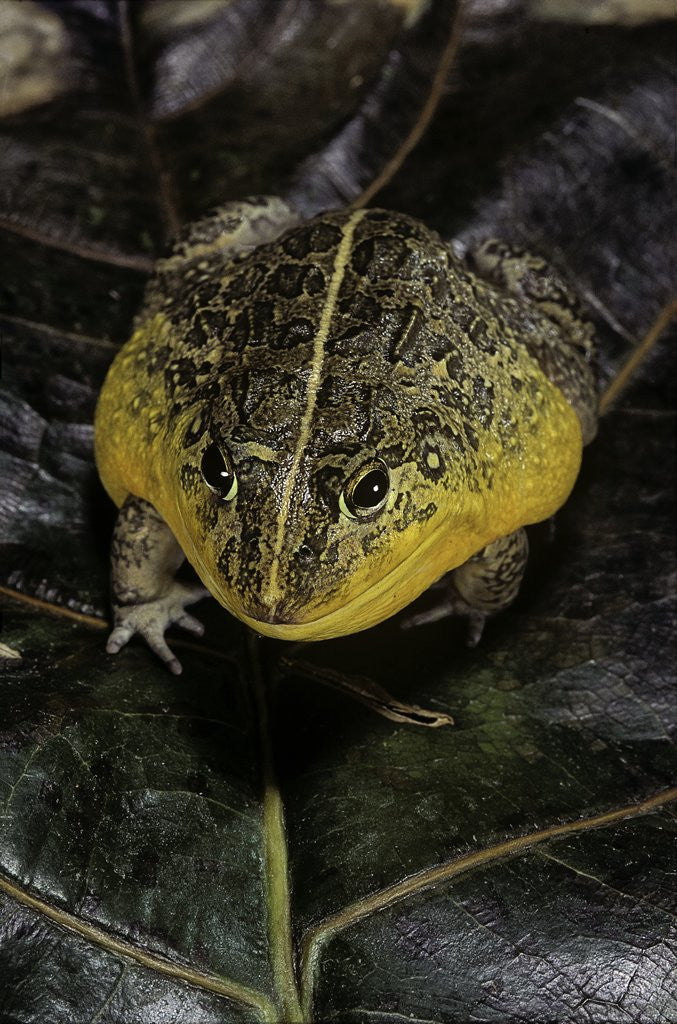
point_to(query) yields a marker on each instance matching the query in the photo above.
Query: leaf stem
(166, 191)
(425, 114)
(637, 357)
(275, 852)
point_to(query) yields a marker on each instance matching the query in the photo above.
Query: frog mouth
(378, 600)
(361, 611)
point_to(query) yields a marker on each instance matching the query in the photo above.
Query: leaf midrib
(294, 996)
(316, 937)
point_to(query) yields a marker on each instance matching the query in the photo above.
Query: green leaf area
(249, 842)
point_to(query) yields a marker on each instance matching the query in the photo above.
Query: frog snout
(280, 613)
(274, 588)
(273, 605)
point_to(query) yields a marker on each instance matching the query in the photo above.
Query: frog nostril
(304, 553)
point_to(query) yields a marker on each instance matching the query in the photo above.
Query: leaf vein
(219, 985)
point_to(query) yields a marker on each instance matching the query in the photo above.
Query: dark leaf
(253, 842)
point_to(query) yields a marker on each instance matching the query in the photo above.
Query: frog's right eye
(219, 475)
(366, 492)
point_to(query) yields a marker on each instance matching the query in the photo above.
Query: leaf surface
(250, 842)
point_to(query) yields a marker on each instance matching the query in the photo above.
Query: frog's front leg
(147, 599)
(485, 584)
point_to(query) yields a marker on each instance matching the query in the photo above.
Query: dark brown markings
(289, 280)
(406, 344)
(464, 315)
(208, 514)
(204, 292)
(293, 279)
(178, 374)
(379, 257)
(205, 394)
(227, 560)
(207, 326)
(481, 336)
(456, 366)
(436, 281)
(362, 307)
(409, 512)
(471, 436)
(318, 236)
(252, 324)
(190, 478)
(242, 285)
(432, 464)
(196, 428)
(314, 281)
(198, 334)
(298, 331)
(483, 401)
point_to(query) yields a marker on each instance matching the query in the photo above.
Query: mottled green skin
(425, 365)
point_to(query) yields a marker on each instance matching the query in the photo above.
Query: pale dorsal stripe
(272, 591)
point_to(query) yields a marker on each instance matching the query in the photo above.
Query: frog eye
(366, 492)
(219, 475)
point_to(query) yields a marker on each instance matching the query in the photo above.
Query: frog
(325, 416)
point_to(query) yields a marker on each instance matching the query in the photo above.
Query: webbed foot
(150, 619)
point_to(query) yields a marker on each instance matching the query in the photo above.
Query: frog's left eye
(217, 470)
(366, 492)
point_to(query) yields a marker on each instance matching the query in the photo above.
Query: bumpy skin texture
(308, 351)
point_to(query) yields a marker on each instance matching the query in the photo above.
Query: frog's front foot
(452, 607)
(150, 619)
(487, 583)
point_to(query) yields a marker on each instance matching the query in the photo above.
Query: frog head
(347, 433)
(324, 539)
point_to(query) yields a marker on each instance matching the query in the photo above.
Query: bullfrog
(324, 417)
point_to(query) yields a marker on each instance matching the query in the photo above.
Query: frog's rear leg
(485, 584)
(147, 599)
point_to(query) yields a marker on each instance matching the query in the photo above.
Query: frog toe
(476, 622)
(190, 624)
(155, 639)
(453, 608)
(189, 593)
(442, 610)
(118, 638)
(148, 621)
(151, 619)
